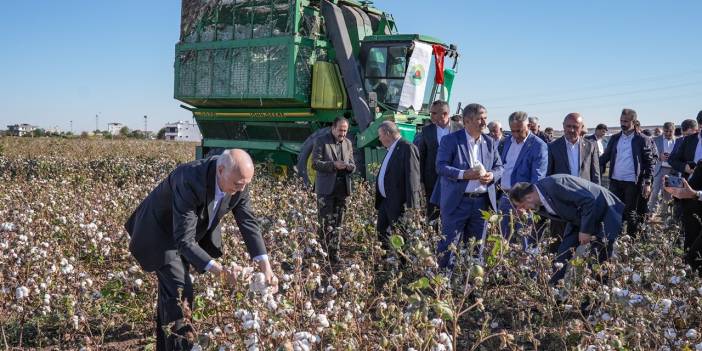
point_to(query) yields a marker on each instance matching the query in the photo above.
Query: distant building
(182, 131)
(114, 128)
(20, 129)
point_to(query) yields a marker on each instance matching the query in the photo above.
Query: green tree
(124, 131)
(161, 134)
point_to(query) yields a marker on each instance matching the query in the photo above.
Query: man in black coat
(397, 186)
(631, 158)
(428, 145)
(685, 159)
(178, 226)
(332, 158)
(574, 155)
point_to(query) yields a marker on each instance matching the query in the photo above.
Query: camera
(674, 182)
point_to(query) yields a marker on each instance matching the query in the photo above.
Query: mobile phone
(674, 182)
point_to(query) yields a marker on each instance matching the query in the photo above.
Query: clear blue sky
(72, 59)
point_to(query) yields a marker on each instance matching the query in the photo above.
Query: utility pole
(71, 126)
(146, 131)
(96, 123)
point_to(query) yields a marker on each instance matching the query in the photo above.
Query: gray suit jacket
(582, 204)
(658, 143)
(589, 159)
(323, 156)
(172, 221)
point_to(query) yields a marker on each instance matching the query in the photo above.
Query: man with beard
(631, 161)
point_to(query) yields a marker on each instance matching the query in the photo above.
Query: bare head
(474, 119)
(235, 170)
(440, 113)
(628, 120)
(495, 130)
(388, 133)
(601, 130)
(668, 130)
(572, 125)
(524, 197)
(519, 125)
(689, 126)
(534, 124)
(340, 127)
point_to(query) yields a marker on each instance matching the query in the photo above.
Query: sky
(71, 60)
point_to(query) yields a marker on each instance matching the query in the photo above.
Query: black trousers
(330, 210)
(630, 194)
(692, 226)
(387, 218)
(175, 290)
(557, 229)
(433, 212)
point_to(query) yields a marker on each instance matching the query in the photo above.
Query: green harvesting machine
(269, 76)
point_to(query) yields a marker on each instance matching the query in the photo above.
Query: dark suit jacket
(402, 185)
(643, 154)
(172, 221)
(589, 207)
(323, 156)
(684, 153)
(428, 146)
(589, 159)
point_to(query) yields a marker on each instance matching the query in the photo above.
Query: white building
(20, 129)
(114, 128)
(182, 131)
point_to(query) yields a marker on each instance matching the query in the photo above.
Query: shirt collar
(544, 203)
(473, 141)
(218, 192)
(523, 141)
(572, 144)
(392, 147)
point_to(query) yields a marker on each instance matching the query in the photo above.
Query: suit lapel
(582, 156)
(462, 145)
(211, 179)
(431, 136)
(333, 147)
(524, 150)
(563, 147)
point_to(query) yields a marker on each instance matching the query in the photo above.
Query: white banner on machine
(416, 78)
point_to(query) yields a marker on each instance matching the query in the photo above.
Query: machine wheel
(304, 159)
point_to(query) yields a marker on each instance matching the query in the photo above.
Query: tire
(304, 160)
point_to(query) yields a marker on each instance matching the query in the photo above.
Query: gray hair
(226, 159)
(533, 119)
(389, 128)
(668, 125)
(440, 103)
(494, 124)
(519, 116)
(472, 110)
(520, 191)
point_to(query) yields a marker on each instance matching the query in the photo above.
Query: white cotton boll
(437, 322)
(75, 320)
(691, 334)
(636, 278)
(698, 347)
(251, 324)
(217, 331)
(670, 333)
(67, 269)
(138, 283)
(21, 292)
(601, 335)
(558, 265)
(606, 317)
(675, 280)
(7, 227)
(494, 325)
(322, 321)
(196, 347)
(258, 283)
(664, 305)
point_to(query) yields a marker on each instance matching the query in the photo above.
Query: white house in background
(20, 129)
(182, 131)
(114, 128)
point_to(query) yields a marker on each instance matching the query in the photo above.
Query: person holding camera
(685, 159)
(332, 158)
(664, 143)
(679, 188)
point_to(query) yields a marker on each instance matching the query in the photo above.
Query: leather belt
(475, 195)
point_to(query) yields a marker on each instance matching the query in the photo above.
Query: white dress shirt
(624, 164)
(545, 203)
(600, 146)
(698, 151)
(442, 132)
(383, 168)
(668, 145)
(573, 151)
(475, 154)
(510, 161)
(219, 195)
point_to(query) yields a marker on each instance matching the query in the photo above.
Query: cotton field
(67, 279)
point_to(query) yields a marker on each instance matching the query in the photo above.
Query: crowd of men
(452, 169)
(588, 187)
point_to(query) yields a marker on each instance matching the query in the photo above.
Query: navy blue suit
(585, 207)
(460, 214)
(531, 166)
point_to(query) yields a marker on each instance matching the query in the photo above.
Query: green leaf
(421, 283)
(397, 242)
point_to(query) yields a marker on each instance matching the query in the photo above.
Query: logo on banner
(418, 74)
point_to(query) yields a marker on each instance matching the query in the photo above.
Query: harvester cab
(269, 76)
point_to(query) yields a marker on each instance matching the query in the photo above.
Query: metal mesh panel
(220, 86)
(258, 76)
(262, 21)
(203, 73)
(239, 72)
(303, 74)
(188, 62)
(278, 59)
(242, 20)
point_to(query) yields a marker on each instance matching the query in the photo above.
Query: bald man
(178, 226)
